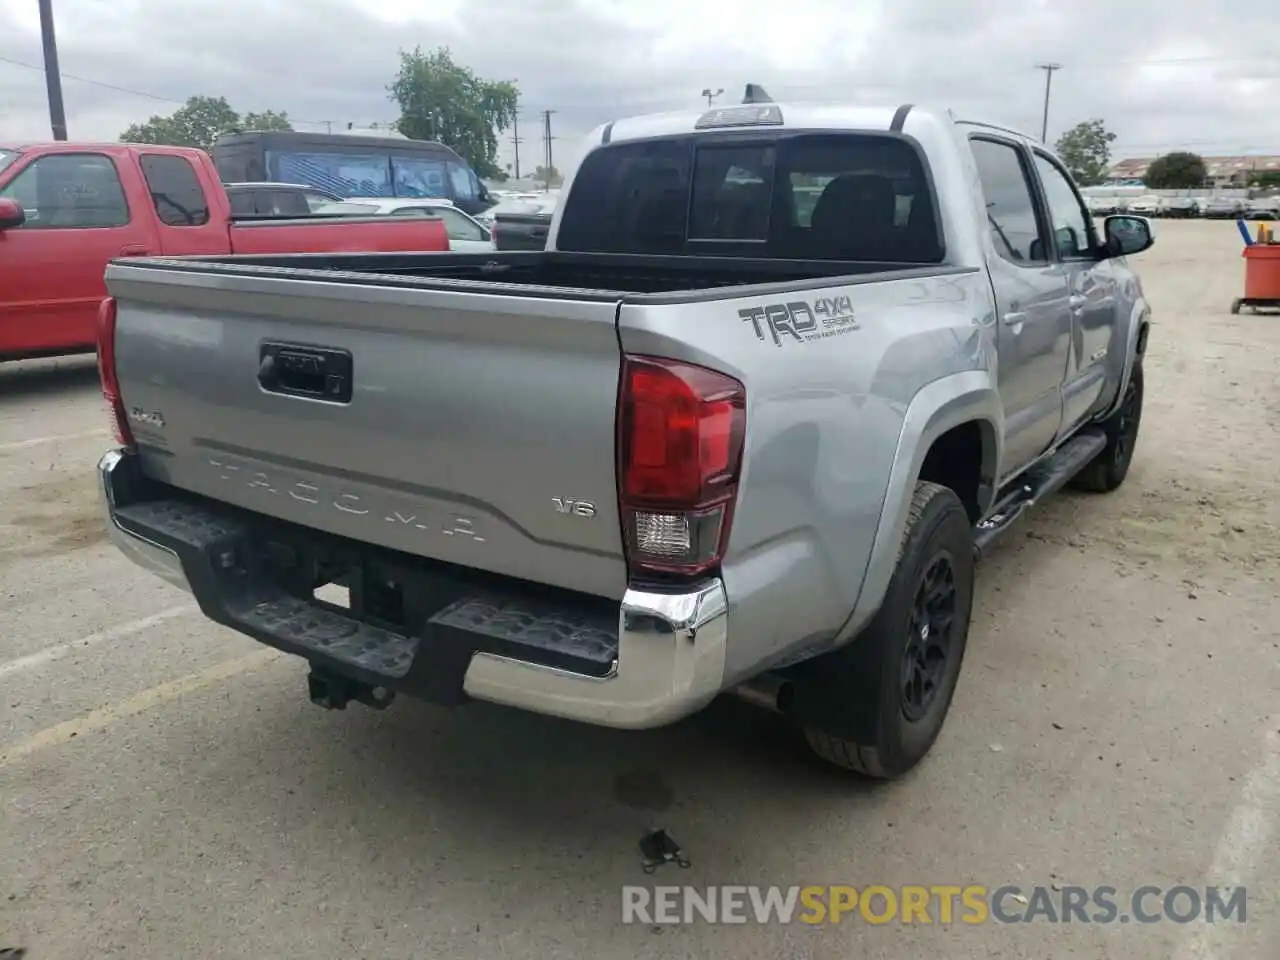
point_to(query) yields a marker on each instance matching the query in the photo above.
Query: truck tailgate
(474, 428)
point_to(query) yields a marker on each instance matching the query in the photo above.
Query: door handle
(1015, 318)
(134, 250)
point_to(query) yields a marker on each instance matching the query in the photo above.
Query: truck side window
(1011, 210)
(460, 178)
(175, 190)
(459, 227)
(1071, 222)
(243, 203)
(66, 190)
(289, 203)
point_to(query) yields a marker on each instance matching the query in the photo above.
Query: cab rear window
(864, 197)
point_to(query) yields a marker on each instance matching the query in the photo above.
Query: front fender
(1132, 338)
(938, 407)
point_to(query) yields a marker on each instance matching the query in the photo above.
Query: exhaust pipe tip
(767, 691)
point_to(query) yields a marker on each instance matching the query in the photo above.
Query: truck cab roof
(798, 115)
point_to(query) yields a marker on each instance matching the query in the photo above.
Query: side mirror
(11, 213)
(1127, 235)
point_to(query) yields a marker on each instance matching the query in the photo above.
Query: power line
(130, 90)
(96, 83)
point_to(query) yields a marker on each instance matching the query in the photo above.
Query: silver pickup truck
(744, 426)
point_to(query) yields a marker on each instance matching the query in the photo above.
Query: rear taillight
(107, 372)
(680, 436)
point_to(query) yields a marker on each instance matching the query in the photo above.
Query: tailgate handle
(316, 373)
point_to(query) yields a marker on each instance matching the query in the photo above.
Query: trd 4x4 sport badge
(800, 320)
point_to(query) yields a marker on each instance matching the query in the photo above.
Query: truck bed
(535, 273)
(442, 405)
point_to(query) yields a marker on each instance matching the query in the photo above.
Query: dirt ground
(167, 791)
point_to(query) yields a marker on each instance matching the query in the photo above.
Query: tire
(1106, 472)
(874, 725)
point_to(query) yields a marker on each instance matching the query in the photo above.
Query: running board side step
(1045, 478)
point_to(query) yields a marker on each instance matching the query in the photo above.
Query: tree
(1175, 171)
(442, 100)
(267, 120)
(200, 122)
(551, 177)
(1085, 149)
(1265, 178)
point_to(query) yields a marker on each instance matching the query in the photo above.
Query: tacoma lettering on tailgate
(343, 501)
(801, 320)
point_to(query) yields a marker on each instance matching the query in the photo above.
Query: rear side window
(815, 196)
(1011, 207)
(242, 203)
(175, 190)
(289, 203)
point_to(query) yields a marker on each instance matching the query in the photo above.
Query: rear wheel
(886, 695)
(1107, 471)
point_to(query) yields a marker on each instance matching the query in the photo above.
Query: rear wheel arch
(951, 411)
(965, 459)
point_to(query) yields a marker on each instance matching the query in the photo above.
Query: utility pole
(516, 141)
(1048, 69)
(52, 76)
(711, 94)
(546, 139)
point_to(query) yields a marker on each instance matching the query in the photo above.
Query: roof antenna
(756, 94)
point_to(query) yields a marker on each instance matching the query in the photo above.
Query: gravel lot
(168, 791)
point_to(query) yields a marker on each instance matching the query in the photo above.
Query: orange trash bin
(1261, 276)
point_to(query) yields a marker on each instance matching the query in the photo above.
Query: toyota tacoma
(744, 426)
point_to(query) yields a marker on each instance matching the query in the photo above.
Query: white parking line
(41, 441)
(1241, 849)
(52, 654)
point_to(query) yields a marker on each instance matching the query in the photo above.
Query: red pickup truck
(66, 209)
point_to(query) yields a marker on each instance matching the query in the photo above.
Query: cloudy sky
(1162, 73)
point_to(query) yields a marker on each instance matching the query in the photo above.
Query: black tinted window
(289, 203)
(821, 197)
(1011, 212)
(175, 190)
(242, 202)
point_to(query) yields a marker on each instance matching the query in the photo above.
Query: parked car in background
(267, 199)
(1263, 208)
(1146, 206)
(1181, 208)
(466, 235)
(522, 224)
(1099, 206)
(352, 166)
(67, 209)
(1221, 208)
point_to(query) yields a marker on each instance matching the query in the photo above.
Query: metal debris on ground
(657, 848)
